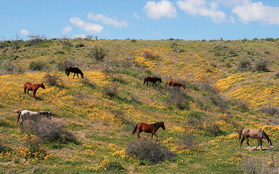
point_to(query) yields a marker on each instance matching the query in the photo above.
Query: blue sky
(140, 19)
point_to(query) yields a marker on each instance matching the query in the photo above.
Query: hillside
(98, 113)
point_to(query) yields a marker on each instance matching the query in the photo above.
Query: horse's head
(43, 86)
(160, 80)
(81, 75)
(162, 125)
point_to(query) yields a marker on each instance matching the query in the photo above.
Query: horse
(172, 83)
(74, 70)
(33, 87)
(148, 128)
(254, 134)
(152, 79)
(30, 115)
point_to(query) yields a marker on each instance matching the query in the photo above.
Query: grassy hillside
(98, 113)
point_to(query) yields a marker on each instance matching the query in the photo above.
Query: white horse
(30, 115)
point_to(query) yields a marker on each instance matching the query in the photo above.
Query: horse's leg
(34, 93)
(77, 75)
(151, 136)
(156, 136)
(241, 141)
(139, 131)
(258, 143)
(74, 75)
(261, 142)
(247, 141)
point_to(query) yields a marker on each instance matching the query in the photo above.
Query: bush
(111, 90)
(146, 149)
(8, 66)
(177, 98)
(63, 65)
(79, 45)
(52, 80)
(277, 75)
(97, 53)
(261, 65)
(208, 88)
(187, 141)
(148, 54)
(107, 165)
(34, 147)
(218, 101)
(36, 66)
(50, 131)
(87, 82)
(244, 65)
(270, 110)
(59, 52)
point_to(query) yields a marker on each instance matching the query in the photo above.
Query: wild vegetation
(230, 85)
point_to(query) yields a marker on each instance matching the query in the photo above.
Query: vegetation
(93, 117)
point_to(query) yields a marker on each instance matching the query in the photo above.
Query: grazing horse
(149, 128)
(172, 83)
(254, 134)
(74, 70)
(33, 87)
(152, 79)
(30, 115)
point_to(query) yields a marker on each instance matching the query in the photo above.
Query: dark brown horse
(149, 128)
(33, 87)
(254, 134)
(74, 70)
(152, 79)
(172, 83)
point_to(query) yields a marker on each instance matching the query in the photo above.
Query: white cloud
(24, 32)
(66, 29)
(232, 19)
(161, 9)
(136, 16)
(89, 27)
(107, 21)
(200, 8)
(249, 11)
(79, 36)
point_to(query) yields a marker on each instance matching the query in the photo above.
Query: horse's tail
(239, 135)
(19, 114)
(135, 129)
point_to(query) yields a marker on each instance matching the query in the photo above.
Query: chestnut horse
(33, 87)
(172, 83)
(254, 134)
(149, 128)
(152, 79)
(74, 70)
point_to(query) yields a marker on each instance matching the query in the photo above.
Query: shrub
(244, 65)
(277, 75)
(34, 147)
(270, 110)
(187, 141)
(97, 53)
(50, 131)
(270, 39)
(148, 54)
(107, 165)
(242, 105)
(261, 65)
(39, 65)
(63, 65)
(79, 45)
(59, 52)
(177, 98)
(208, 88)
(218, 101)
(8, 66)
(87, 82)
(52, 80)
(111, 90)
(145, 149)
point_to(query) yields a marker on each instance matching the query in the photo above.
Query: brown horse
(172, 83)
(74, 70)
(149, 128)
(152, 79)
(33, 87)
(254, 134)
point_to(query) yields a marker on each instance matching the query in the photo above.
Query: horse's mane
(265, 136)
(158, 124)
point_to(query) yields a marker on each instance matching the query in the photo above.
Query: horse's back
(252, 133)
(27, 84)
